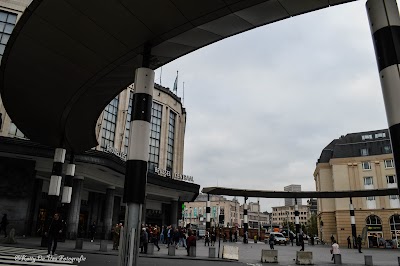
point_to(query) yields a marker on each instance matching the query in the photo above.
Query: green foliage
(312, 227)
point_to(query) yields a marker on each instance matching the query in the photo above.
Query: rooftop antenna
(160, 75)
(183, 93)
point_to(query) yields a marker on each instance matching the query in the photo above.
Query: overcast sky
(263, 104)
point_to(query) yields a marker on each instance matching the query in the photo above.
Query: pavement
(249, 254)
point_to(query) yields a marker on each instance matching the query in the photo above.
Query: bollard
(211, 252)
(337, 258)
(192, 251)
(304, 258)
(79, 243)
(103, 245)
(150, 248)
(269, 256)
(171, 250)
(368, 260)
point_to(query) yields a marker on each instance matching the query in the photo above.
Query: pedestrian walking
(236, 235)
(213, 237)
(301, 241)
(359, 242)
(271, 241)
(291, 236)
(154, 238)
(162, 235)
(53, 230)
(144, 240)
(115, 236)
(207, 239)
(335, 249)
(348, 242)
(332, 239)
(190, 241)
(176, 238)
(3, 224)
(230, 235)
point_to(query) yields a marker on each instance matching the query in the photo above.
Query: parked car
(279, 238)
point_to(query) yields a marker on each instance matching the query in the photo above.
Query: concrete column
(384, 23)
(108, 211)
(174, 213)
(74, 208)
(136, 165)
(353, 223)
(245, 221)
(208, 213)
(297, 220)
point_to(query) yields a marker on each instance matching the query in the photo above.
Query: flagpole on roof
(175, 89)
(160, 75)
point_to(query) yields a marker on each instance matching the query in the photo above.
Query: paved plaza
(249, 254)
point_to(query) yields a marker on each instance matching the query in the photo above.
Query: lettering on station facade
(176, 176)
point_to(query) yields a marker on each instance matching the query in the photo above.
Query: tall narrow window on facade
(128, 122)
(387, 149)
(171, 138)
(364, 152)
(155, 135)
(109, 122)
(7, 24)
(366, 165)
(389, 163)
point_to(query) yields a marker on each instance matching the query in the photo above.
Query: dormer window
(365, 137)
(380, 135)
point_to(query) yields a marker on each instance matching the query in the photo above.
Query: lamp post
(287, 221)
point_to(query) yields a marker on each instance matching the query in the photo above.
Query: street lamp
(287, 221)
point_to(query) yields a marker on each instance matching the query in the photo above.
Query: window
(171, 139)
(380, 135)
(7, 23)
(109, 122)
(393, 197)
(391, 179)
(156, 115)
(368, 180)
(387, 149)
(366, 165)
(364, 152)
(389, 163)
(371, 198)
(364, 137)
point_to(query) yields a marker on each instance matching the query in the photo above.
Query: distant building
(281, 214)
(292, 188)
(232, 211)
(358, 161)
(312, 206)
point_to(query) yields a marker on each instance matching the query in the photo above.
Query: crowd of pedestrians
(166, 235)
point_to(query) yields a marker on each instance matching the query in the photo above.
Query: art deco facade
(358, 161)
(26, 166)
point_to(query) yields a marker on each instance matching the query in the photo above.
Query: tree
(312, 227)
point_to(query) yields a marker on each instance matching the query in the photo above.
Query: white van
(279, 238)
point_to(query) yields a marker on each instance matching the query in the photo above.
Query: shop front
(374, 232)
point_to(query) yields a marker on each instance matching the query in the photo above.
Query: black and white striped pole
(136, 165)
(384, 23)
(245, 222)
(297, 221)
(353, 223)
(54, 187)
(69, 175)
(208, 213)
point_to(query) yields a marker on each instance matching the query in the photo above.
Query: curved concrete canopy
(66, 59)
